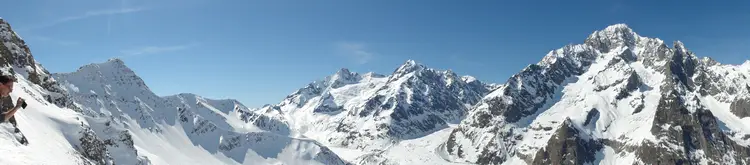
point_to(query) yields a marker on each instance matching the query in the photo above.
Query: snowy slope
(56, 132)
(429, 149)
(619, 97)
(215, 128)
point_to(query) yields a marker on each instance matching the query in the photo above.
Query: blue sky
(259, 51)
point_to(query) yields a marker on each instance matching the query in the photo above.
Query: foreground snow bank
(52, 132)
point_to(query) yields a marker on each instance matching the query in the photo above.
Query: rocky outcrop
(16, 58)
(568, 146)
(267, 118)
(696, 136)
(93, 148)
(741, 107)
(688, 132)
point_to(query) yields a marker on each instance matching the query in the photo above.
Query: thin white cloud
(55, 41)
(89, 14)
(356, 51)
(157, 49)
(102, 12)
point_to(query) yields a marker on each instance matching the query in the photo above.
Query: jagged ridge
(112, 91)
(370, 111)
(615, 88)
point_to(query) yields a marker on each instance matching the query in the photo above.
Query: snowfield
(429, 149)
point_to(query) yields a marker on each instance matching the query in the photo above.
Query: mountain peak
(112, 70)
(344, 74)
(409, 66)
(343, 71)
(617, 31)
(112, 64)
(679, 46)
(372, 75)
(2, 21)
(116, 60)
(410, 61)
(618, 27)
(611, 37)
(468, 79)
(342, 77)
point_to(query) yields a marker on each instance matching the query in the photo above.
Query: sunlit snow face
(6, 88)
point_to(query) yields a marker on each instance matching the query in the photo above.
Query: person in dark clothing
(6, 87)
(7, 110)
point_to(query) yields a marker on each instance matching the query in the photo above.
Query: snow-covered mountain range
(617, 98)
(371, 111)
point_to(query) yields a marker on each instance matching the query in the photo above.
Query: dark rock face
(683, 65)
(698, 135)
(93, 148)
(117, 142)
(695, 131)
(633, 83)
(266, 122)
(567, 146)
(741, 107)
(593, 113)
(539, 82)
(683, 121)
